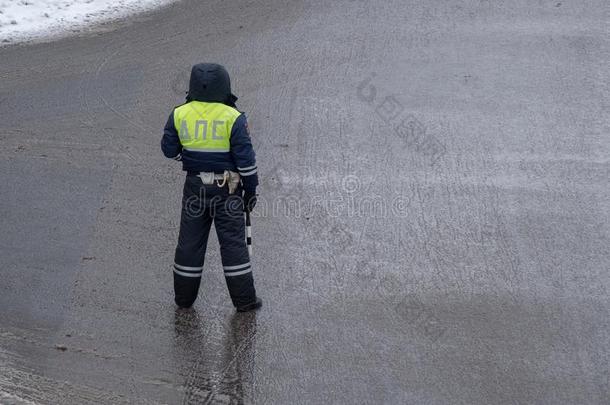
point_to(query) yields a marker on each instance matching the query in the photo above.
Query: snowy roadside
(27, 20)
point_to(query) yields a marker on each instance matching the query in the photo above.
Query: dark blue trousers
(202, 205)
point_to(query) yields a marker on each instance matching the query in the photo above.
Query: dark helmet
(210, 82)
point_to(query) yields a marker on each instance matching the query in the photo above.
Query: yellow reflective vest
(205, 127)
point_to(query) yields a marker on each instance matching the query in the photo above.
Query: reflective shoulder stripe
(238, 273)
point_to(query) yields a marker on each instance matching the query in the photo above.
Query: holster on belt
(233, 180)
(207, 177)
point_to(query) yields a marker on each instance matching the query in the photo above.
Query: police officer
(210, 136)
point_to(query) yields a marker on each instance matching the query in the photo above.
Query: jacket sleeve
(170, 143)
(243, 154)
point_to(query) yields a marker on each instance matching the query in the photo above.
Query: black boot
(256, 304)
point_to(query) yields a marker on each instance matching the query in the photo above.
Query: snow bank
(22, 20)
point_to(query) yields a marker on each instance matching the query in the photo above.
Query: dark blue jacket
(241, 158)
(210, 83)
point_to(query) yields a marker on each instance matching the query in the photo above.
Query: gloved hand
(249, 200)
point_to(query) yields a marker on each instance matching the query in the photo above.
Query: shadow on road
(218, 365)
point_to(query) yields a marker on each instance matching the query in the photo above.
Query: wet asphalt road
(434, 216)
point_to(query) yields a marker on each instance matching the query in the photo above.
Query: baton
(248, 232)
